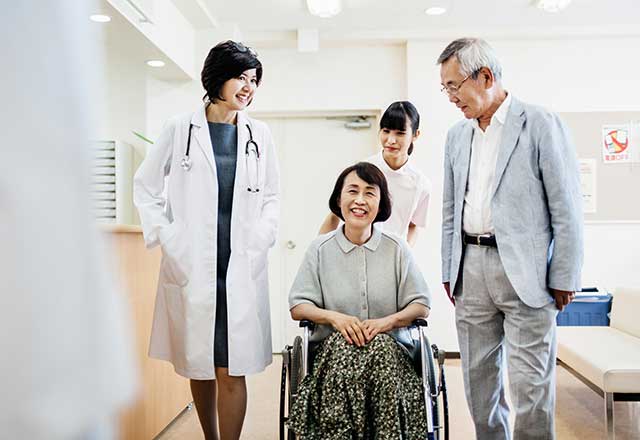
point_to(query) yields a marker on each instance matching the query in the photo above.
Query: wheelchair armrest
(420, 322)
(306, 323)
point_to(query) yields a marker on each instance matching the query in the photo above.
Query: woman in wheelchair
(362, 288)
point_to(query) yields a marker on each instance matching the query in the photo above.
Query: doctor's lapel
(511, 132)
(463, 159)
(239, 213)
(240, 186)
(203, 136)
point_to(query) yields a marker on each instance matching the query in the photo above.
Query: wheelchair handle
(305, 323)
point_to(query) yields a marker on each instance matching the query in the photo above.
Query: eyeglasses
(453, 90)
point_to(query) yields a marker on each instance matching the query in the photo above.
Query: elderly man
(511, 241)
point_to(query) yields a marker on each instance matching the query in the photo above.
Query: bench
(607, 359)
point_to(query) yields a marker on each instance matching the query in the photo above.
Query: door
(312, 153)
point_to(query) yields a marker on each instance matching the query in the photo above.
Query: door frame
(295, 114)
(279, 327)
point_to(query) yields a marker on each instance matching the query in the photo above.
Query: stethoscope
(250, 149)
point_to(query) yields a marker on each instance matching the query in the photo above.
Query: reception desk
(163, 394)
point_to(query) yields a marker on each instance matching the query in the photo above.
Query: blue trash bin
(587, 310)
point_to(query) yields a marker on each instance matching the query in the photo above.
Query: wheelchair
(296, 364)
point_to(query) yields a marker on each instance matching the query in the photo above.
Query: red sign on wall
(615, 144)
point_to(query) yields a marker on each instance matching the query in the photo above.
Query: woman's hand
(350, 327)
(375, 326)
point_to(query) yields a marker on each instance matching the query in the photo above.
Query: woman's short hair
(227, 60)
(396, 115)
(373, 176)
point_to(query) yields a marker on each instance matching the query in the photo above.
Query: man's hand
(447, 288)
(350, 327)
(562, 297)
(375, 326)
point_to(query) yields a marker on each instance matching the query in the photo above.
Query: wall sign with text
(616, 147)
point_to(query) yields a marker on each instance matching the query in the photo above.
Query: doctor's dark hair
(373, 176)
(396, 115)
(227, 60)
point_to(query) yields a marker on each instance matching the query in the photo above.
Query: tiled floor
(579, 410)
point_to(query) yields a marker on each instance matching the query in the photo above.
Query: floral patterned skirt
(370, 392)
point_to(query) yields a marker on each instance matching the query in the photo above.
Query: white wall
(364, 77)
(170, 32)
(612, 252)
(357, 77)
(125, 98)
(563, 75)
(120, 102)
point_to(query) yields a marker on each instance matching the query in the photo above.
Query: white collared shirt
(410, 193)
(476, 217)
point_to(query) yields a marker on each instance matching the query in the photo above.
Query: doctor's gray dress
(224, 141)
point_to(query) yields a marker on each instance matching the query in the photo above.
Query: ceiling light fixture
(100, 18)
(435, 10)
(552, 5)
(155, 63)
(324, 8)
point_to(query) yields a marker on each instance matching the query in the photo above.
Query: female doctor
(207, 193)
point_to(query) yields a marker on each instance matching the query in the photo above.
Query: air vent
(111, 179)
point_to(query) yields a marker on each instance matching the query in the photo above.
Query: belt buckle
(478, 237)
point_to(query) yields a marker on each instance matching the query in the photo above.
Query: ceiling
(275, 22)
(398, 19)
(123, 42)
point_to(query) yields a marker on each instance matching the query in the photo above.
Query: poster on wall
(616, 147)
(588, 185)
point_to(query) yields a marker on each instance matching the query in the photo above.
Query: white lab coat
(180, 214)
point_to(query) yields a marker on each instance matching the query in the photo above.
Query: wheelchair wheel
(296, 372)
(439, 403)
(286, 365)
(295, 377)
(433, 384)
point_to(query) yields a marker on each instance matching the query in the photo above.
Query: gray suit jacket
(536, 205)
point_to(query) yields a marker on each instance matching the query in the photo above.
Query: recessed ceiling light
(100, 18)
(435, 10)
(324, 8)
(552, 5)
(155, 63)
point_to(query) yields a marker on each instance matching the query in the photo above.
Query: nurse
(208, 194)
(410, 189)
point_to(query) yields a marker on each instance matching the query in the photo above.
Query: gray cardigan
(370, 281)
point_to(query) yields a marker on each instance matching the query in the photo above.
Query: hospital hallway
(580, 411)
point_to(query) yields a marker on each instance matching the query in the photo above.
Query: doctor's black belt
(480, 240)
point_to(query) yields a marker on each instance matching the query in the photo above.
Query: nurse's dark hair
(373, 176)
(227, 60)
(396, 115)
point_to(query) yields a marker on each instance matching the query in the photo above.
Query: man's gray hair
(472, 54)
